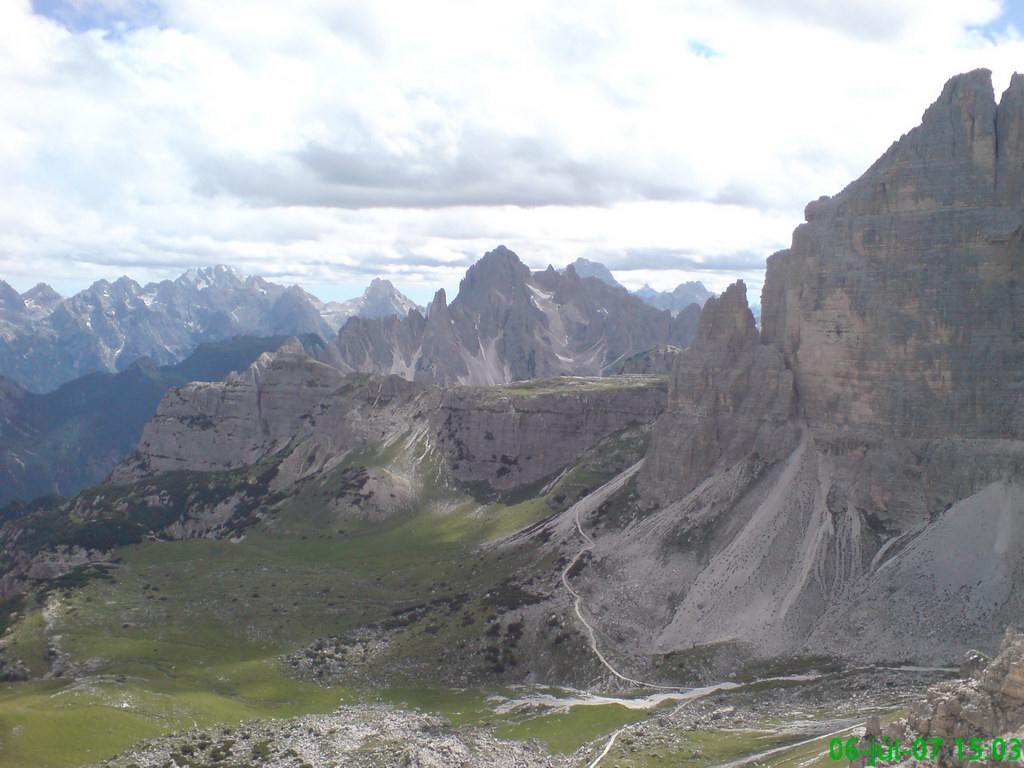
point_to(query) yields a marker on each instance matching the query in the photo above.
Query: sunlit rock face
(899, 305)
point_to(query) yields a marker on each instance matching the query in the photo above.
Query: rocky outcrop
(985, 704)
(23, 568)
(222, 425)
(730, 396)
(865, 448)
(360, 736)
(506, 325)
(508, 437)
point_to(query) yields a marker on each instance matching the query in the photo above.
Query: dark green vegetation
(67, 439)
(168, 632)
(126, 514)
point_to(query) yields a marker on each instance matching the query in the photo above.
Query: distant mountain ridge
(588, 268)
(682, 296)
(62, 441)
(508, 324)
(46, 340)
(676, 300)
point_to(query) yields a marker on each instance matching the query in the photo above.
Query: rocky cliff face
(500, 437)
(865, 449)
(899, 304)
(507, 324)
(223, 425)
(730, 396)
(509, 437)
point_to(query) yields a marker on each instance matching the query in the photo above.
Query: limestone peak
(727, 319)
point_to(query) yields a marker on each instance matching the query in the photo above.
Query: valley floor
(455, 623)
(192, 638)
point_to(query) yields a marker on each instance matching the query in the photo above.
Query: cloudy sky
(325, 142)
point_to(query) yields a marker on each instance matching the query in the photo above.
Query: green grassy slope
(183, 632)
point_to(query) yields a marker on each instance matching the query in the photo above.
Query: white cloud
(317, 141)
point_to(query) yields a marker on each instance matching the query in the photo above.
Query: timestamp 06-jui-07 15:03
(873, 750)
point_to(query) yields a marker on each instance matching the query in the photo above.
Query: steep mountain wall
(512, 436)
(899, 305)
(851, 480)
(500, 437)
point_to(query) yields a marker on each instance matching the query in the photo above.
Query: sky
(324, 142)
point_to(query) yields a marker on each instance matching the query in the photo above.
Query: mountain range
(508, 324)
(838, 490)
(46, 340)
(676, 300)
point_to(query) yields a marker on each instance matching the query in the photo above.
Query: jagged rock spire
(727, 319)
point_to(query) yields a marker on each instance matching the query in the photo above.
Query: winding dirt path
(776, 750)
(584, 506)
(588, 504)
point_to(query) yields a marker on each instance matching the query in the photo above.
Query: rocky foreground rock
(986, 704)
(363, 736)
